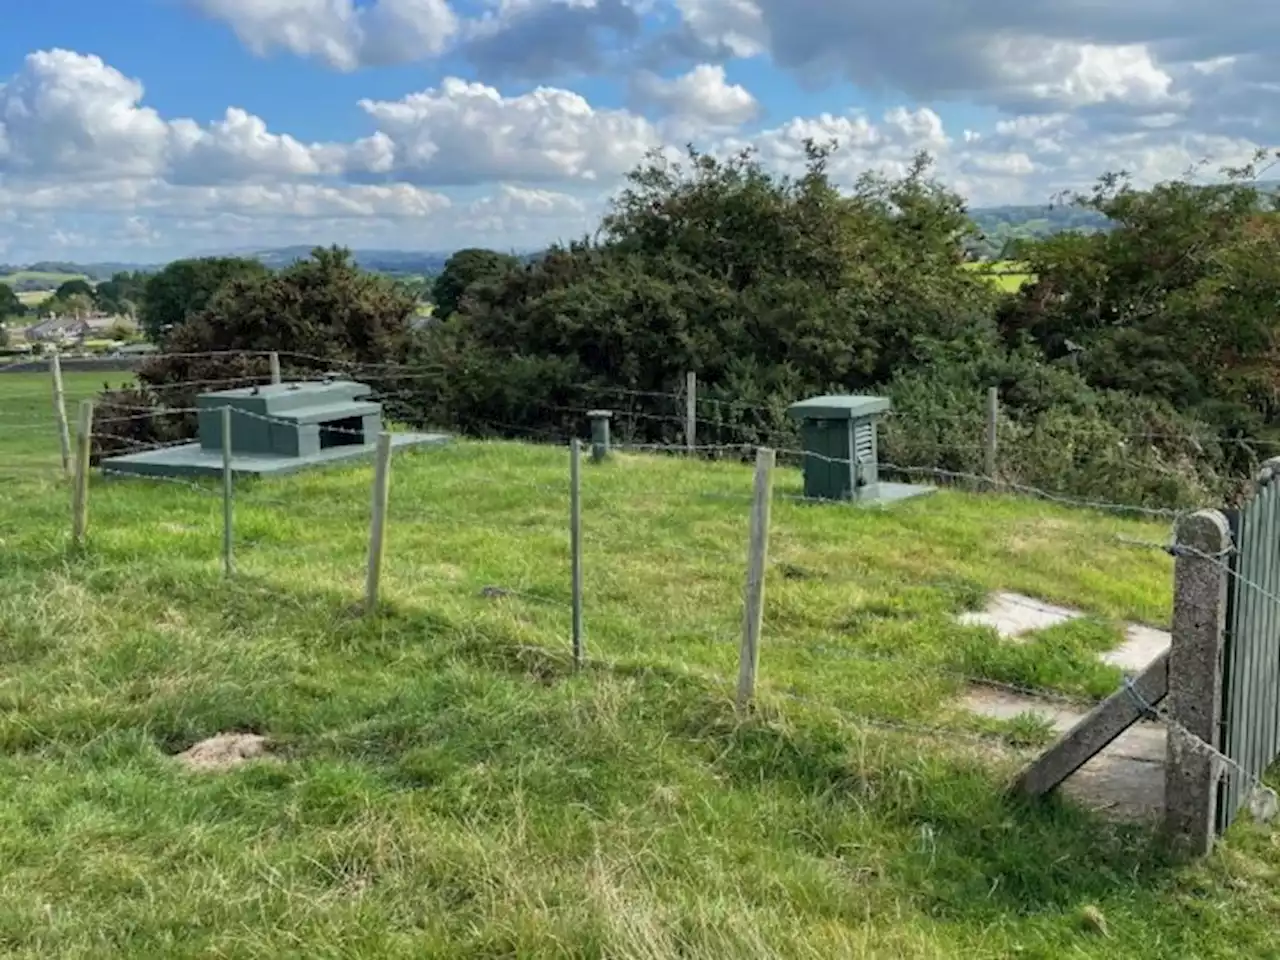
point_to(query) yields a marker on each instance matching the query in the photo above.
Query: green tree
(10, 305)
(79, 287)
(123, 293)
(1176, 301)
(464, 270)
(768, 287)
(185, 287)
(73, 304)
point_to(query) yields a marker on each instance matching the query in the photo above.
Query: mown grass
(443, 783)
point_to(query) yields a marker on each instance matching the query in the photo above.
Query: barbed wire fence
(681, 412)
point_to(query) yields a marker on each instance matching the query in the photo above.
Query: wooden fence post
(691, 413)
(60, 412)
(377, 521)
(274, 360)
(757, 559)
(80, 489)
(575, 545)
(1192, 772)
(228, 487)
(993, 427)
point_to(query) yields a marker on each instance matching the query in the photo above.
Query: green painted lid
(838, 407)
(280, 397)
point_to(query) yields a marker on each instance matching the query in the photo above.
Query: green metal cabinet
(839, 436)
(291, 419)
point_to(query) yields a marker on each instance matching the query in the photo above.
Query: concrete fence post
(1193, 770)
(599, 433)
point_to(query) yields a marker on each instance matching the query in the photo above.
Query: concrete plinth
(192, 460)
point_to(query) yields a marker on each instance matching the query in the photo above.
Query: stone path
(1126, 780)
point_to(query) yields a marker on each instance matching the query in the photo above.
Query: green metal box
(839, 436)
(290, 419)
(274, 429)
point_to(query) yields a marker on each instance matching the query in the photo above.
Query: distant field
(45, 282)
(1009, 275)
(40, 276)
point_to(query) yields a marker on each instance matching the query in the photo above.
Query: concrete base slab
(1141, 646)
(1013, 615)
(1125, 781)
(192, 460)
(891, 492)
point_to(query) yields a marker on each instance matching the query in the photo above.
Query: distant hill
(1000, 226)
(392, 262)
(66, 269)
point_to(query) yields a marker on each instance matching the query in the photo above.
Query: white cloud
(88, 169)
(238, 147)
(74, 116)
(1073, 75)
(700, 99)
(516, 210)
(466, 133)
(340, 33)
(541, 39)
(734, 26)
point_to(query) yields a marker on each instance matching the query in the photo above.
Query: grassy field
(52, 280)
(48, 283)
(31, 298)
(442, 784)
(1009, 275)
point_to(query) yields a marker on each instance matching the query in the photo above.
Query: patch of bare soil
(223, 752)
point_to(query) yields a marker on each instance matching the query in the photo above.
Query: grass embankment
(443, 784)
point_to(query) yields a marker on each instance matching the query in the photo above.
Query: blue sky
(436, 123)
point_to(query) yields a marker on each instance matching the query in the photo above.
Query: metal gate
(1251, 659)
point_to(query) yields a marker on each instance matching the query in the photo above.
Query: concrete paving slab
(1125, 781)
(1013, 615)
(1141, 646)
(191, 460)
